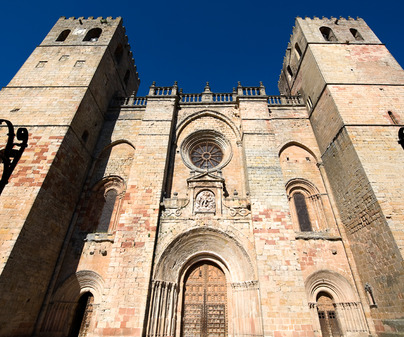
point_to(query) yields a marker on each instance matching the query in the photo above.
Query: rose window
(206, 155)
(205, 150)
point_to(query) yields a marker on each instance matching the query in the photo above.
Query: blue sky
(193, 42)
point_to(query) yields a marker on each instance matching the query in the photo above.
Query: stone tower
(61, 95)
(353, 89)
(220, 214)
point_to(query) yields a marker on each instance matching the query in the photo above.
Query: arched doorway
(204, 301)
(329, 324)
(82, 317)
(334, 305)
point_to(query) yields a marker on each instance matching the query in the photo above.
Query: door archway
(329, 323)
(204, 301)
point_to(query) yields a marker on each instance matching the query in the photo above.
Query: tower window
(93, 35)
(63, 35)
(84, 136)
(107, 211)
(356, 34)
(328, 34)
(289, 71)
(118, 53)
(126, 78)
(298, 51)
(309, 103)
(302, 212)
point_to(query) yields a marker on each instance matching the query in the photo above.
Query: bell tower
(61, 95)
(353, 89)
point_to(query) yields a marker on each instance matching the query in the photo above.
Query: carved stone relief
(205, 202)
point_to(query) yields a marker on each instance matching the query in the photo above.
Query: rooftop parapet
(207, 96)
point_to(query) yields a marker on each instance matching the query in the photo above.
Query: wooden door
(327, 316)
(205, 302)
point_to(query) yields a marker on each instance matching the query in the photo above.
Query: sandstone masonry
(208, 214)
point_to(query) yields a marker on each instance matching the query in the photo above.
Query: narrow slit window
(309, 103)
(302, 212)
(118, 53)
(126, 78)
(289, 71)
(107, 211)
(298, 51)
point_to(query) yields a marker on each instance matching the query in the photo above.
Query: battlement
(321, 31)
(82, 31)
(333, 30)
(89, 34)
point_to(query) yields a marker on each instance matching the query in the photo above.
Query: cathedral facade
(206, 214)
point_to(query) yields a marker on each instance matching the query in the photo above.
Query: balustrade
(209, 97)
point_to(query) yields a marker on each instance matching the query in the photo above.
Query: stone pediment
(205, 178)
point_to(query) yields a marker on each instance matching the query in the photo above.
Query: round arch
(330, 282)
(346, 314)
(181, 126)
(60, 309)
(298, 144)
(204, 243)
(79, 283)
(301, 183)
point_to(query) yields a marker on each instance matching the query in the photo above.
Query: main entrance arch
(177, 285)
(204, 301)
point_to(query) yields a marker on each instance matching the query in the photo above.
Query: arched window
(82, 316)
(104, 205)
(356, 34)
(302, 212)
(107, 210)
(93, 35)
(63, 35)
(298, 51)
(306, 206)
(328, 34)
